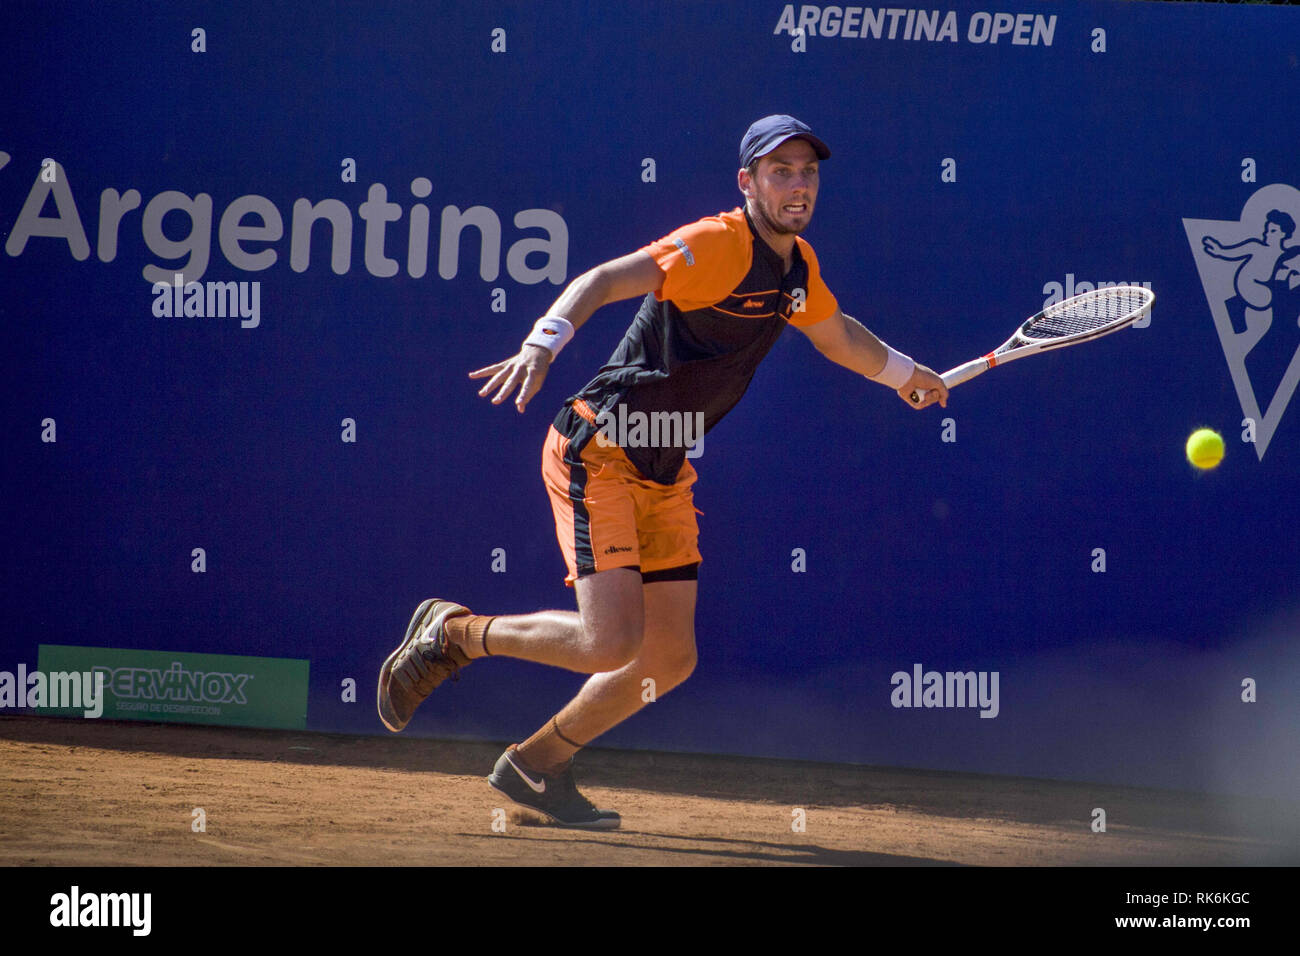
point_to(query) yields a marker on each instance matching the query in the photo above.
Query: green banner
(189, 688)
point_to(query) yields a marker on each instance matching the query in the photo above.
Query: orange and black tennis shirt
(697, 341)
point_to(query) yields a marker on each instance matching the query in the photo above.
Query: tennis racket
(1080, 318)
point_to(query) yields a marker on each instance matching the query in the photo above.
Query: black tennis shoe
(554, 796)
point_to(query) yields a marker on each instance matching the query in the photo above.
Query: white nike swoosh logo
(537, 787)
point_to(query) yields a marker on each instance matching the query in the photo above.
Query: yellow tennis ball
(1205, 448)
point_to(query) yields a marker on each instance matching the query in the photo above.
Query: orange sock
(548, 750)
(469, 632)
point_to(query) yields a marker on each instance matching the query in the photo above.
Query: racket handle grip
(955, 376)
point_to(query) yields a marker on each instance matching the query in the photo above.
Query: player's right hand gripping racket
(1078, 319)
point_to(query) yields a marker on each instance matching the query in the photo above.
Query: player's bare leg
(666, 658)
(538, 774)
(640, 640)
(443, 637)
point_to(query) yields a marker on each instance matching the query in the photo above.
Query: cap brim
(821, 149)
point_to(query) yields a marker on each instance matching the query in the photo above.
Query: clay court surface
(92, 793)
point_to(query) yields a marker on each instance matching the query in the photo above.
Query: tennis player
(717, 294)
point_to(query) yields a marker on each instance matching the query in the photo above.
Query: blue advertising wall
(1058, 537)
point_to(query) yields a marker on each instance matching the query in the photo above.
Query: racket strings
(1088, 312)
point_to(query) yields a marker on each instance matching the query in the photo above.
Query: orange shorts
(608, 516)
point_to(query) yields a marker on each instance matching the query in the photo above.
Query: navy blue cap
(771, 131)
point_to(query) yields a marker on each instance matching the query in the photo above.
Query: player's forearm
(613, 281)
(630, 277)
(861, 351)
(583, 297)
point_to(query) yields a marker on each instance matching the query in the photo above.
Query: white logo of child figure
(1250, 270)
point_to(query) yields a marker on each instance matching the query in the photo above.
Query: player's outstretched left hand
(527, 370)
(928, 385)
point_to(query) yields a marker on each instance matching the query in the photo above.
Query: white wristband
(897, 371)
(552, 332)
